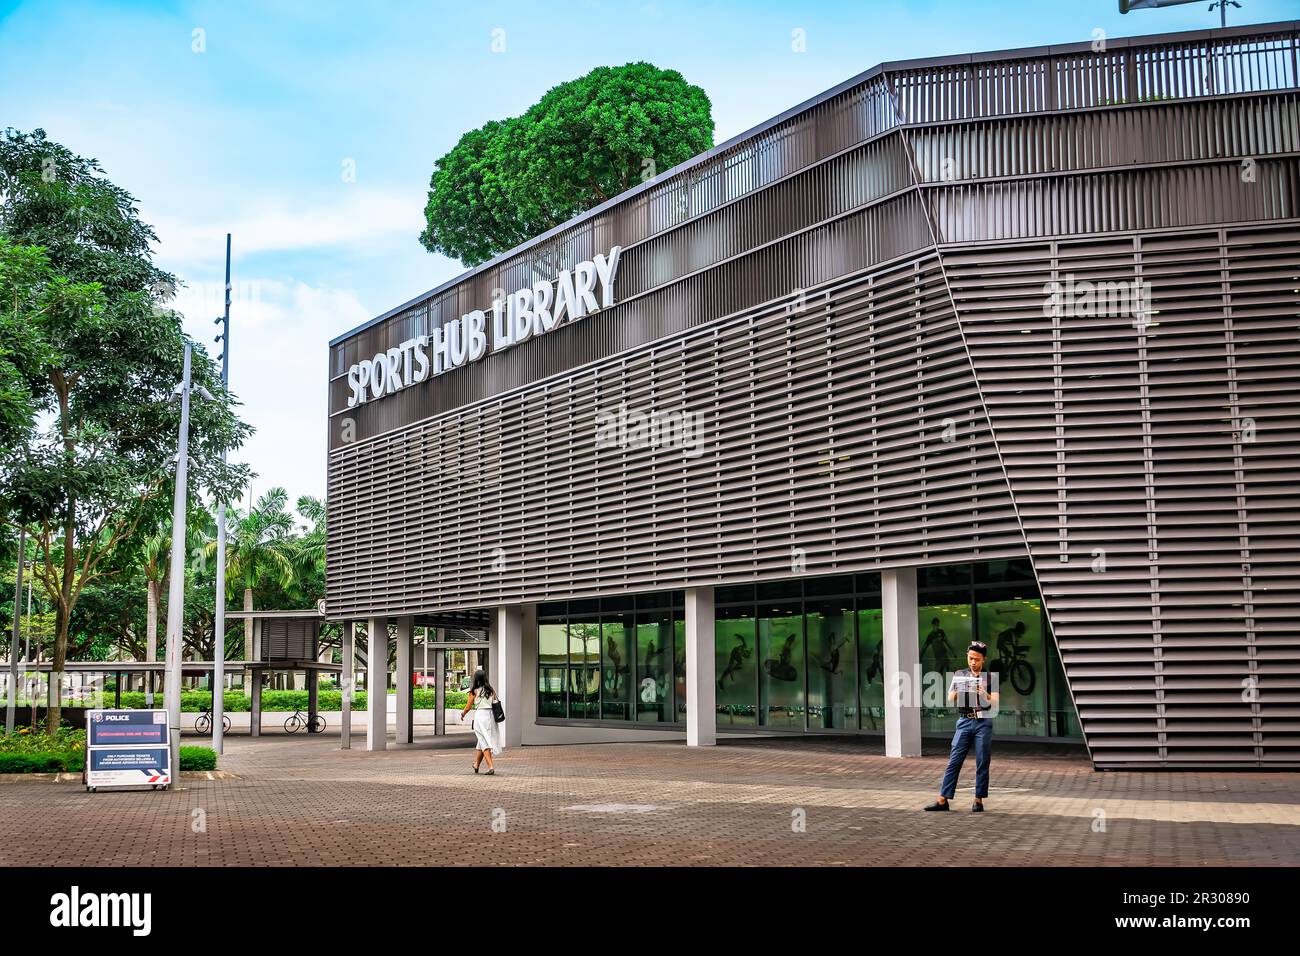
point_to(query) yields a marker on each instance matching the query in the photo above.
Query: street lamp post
(176, 584)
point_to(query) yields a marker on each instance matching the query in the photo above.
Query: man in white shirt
(976, 702)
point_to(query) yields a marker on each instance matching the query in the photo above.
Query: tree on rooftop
(584, 142)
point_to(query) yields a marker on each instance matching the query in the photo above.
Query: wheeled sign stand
(127, 749)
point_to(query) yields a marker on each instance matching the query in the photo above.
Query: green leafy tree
(24, 294)
(584, 142)
(108, 617)
(104, 357)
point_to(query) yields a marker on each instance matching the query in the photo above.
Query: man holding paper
(976, 702)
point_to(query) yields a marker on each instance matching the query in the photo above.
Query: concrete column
(248, 626)
(405, 680)
(505, 658)
(440, 692)
(701, 682)
(377, 684)
(347, 682)
(255, 705)
(902, 663)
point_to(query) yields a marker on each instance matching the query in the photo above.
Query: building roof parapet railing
(1028, 99)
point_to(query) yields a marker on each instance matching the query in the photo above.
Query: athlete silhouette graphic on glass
(782, 669)
(1013, 660)
(876, 667)
(832, 664)
(739, 654)
(616, 659)
(936, 642)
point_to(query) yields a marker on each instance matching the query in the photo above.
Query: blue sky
(247, 117)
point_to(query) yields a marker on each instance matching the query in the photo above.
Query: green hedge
(32, 763)
(26, 752)
(198, 758)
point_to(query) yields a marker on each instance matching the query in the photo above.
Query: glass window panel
(842, 584)
(552, 669)
(736, 665)
(944, 632)
(1013, 631)
(1018, 571)
(654, 638)
(1064, 719)
(659, 599)
(781, 674)
(944, 576)
(832, 665)
(584, 669)
(871, 657)
(946, 596)
(992, 593)
(616, 669)
(738, 594)
(869, 583)
(679, 666)
(771, 590)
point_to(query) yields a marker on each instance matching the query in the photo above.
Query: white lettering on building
(524, 314)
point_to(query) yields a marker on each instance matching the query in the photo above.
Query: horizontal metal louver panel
(1193, 132)
(1151, 458)
(1148, 198)
(846, 435)
(849, 243)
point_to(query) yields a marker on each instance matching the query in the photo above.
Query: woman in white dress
(487, 734)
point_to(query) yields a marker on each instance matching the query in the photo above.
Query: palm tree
(260, 545)
(311, 546)
(155, 561)
(155, 552)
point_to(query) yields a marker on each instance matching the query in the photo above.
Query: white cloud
(359, 219)
(279, 370)
(271, 302)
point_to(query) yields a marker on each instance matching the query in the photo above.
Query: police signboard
(127, 748)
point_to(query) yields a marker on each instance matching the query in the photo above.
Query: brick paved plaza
(283, 801)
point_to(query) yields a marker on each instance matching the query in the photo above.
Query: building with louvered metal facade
(999, 346)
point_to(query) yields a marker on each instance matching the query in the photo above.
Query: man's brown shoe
(937, 806)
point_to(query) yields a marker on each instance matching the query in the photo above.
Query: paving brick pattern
(303, 802)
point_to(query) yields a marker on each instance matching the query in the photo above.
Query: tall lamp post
(176, 585)
(219, 624)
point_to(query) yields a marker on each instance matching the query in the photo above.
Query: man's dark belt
(969, 711)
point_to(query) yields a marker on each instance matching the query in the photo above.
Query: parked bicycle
(299, 721)
(203, 725)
